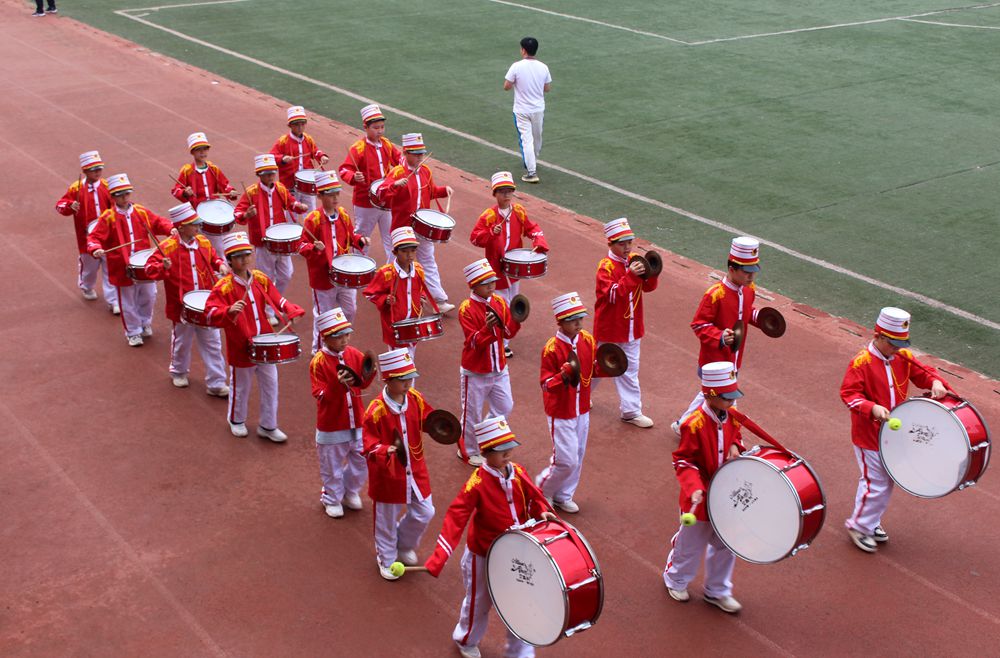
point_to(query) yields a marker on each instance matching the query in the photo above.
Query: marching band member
(296, 150)
(261, 206)
(876, 381)
(499, 494)
(397, 470)
(483, 376)
(368, 160)
(618, 316)
(410, 187)
(709, 436)
(502, 228)
(84, 201)
(236, 304)
(329, 232)
(339, 414)
(721, 306)
(399, 289)
(201, 180)
(567, 405)
(122, 230)
(188, 262)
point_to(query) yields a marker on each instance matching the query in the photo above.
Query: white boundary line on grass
(975, 27)
(924, 299)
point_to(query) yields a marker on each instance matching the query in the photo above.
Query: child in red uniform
(876, 381)
(84, 201)
(397, 470)
(502, 228)
(201, 180)
(188, 262)
(296, 150)
(398, 289)
(337, 377)
(498, 495)
(368, 160)
(486, 322)
(618, 313)
(237, 304)
(329, 233)
(709, 436)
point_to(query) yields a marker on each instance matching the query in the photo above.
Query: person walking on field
(530, 79)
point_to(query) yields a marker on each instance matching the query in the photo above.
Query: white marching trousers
(342, 469)
(688, 547)
(474, 615)
(477, 390)
(366, 220)
(90, 267)
(561, 477)
(182, 339)
(529, 132)
(394, 534)
(874, 490)
(432, 277)
(324, 300)
(239, 394)
(629, 393)
(136, 302)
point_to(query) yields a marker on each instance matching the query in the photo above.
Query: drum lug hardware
(809, 511)
(752, 451)
(980, 445)
(800, 547)
(965, 485)
(576, 629)
(794, 464)
(561, 535)
(963, 403)
(586, 581)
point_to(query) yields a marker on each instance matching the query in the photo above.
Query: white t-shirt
(529, 77)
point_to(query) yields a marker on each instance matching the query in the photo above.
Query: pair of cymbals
(652, 261)
(367, 369)
(770, 321)
(611, 359)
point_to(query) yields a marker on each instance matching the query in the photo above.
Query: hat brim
(897, 342)
(415, 151)
(332, 190)
(298, 120)
(121, 192)
(197, 221)
(95, 167)
(750, 268)
(575, 316)
(342, 332)
(506, 445)
(731, 395)
(627, 236)
(491, 279)
(504, 186)
(240, 252)
(409, 375)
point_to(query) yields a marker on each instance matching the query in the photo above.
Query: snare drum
(524, 264)
(942, 446)
(274, 348)
(136, 267)
(193, 311)
(415, 330)
(283, 238)
(352, 271)
(217, 216)
(433, 225)
(766, 504)
(305, 188)
(373, 194)
(545, 581)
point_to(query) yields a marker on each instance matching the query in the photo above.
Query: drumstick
(282, 330)
(121, 246)
(176, 180)
(246, 193)
(742, 418)
(153, 238)
(447, 205)
(419, 164)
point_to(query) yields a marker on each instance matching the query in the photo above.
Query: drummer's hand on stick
(497, 228)
(236, 308)
(318, 246)
(232, 194)
(697, 496)
(285, 159)
(324, 160)
(390, 300)
(250, 212)
(401, 182)
(299, 207)
(938, 390)
(734, 451)
(75, 206)
(359, 177)
(167, 263)
(728, 336)
(548, 516)
(98, 253)
(880, 413)
(364, 242)
(188, 191)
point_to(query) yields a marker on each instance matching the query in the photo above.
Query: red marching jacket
(408, 293)
(482, 351)
(719, 309)
(511, 236)
(271, 209)
(252, 320)
(562, 400)
(205, 184)
(386, 475)
(373, 161)
(700, 454)
(318, 223)
(483, 499)
(115, 228)
(338, 407)
(618, 315)
(406, 200)
(303, 153)
(87, 211)
(189, 269)
(866, 383)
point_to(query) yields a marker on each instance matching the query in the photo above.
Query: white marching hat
(718, 379)
(197, 140)
(894, 324)
(296, 113)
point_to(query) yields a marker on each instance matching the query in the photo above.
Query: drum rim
(410, 321)
(191, 292)
(788, 483)
(307, 180)
(333, 261)
(281, 225)
(965, 435)
(555, 567)
(286, 339)
(539, 257)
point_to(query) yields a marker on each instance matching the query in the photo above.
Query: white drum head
(434, 218)
(216, 212)
(929, 454)
(91, 225)
(524, 256)
(139, 258)
(353, 264)
(285, 232)
(306, 176)
(755, 510)
(373, 188)
(196, 299)
(527, 589)
(275, 339)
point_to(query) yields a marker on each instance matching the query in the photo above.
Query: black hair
(530, 45)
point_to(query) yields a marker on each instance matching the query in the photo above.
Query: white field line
(924, 299)
(975, 27)
(186, 4)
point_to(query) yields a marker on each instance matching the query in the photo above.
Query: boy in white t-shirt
(530, 80)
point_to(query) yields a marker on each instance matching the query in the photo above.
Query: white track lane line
(975, 27)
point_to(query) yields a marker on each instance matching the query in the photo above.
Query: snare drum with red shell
(217, 216)
(524, 264)
(283, 238)
(305, 182)
(942, 446)
(352, 270)
(766, 505)
(193, 310)
(433, 225)
(136, 267)
(274, 348)
(415, 330)
(545, 581)
(373, 194)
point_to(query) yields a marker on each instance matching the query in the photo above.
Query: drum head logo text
(923, 434)
(524, 571)
(743, 496)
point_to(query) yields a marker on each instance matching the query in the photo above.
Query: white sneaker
(676, 427)
(384, 571)
(880, 535)
(639, 421)
(89, 294)
(725, 603)
(180, 381)
(530, 178)
(409, 558)
(219, 392)
(147, 332)
(115, 309)
(353, 501)
(334, 511)
(445, 307)
(568, 506)
(238, 429)
(275, 435)
(134, 341)
(468, 652)
(679, 595)
(862, 541)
